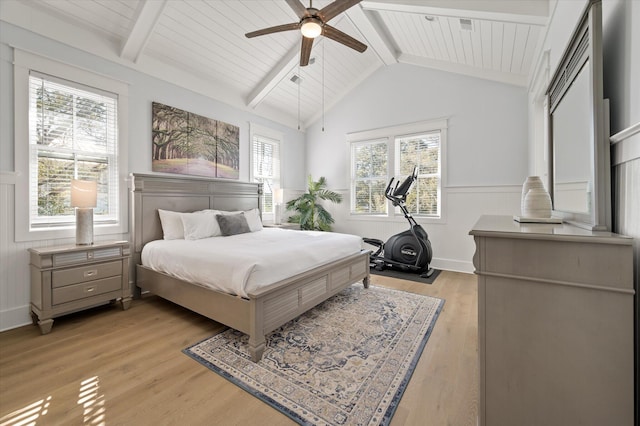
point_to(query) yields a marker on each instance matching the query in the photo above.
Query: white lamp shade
(277, 195)
(311, 28)
(84, 193)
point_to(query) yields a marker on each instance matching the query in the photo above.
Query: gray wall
(487, 123)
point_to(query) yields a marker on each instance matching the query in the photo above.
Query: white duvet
(242, 263)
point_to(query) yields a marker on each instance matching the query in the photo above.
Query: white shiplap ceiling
(200, 44)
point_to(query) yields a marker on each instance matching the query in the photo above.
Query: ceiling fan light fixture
(311, 28)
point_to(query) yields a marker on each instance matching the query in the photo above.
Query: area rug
(407, 275)
(345, 362)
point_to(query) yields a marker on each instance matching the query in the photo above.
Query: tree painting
(188, 143)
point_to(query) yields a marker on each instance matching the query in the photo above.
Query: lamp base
(277, 214)
(84, 226)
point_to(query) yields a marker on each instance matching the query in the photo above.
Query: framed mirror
(580, 171)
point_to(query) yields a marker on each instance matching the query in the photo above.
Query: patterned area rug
(345, 362)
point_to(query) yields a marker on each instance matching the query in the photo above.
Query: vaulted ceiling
(201, 44)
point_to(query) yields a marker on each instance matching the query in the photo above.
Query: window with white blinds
(369, 177)
(377, 155)
(73, 133)
(266, 168)
(421, 151)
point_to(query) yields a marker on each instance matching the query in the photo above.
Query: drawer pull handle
(90, 273)
(90, 289)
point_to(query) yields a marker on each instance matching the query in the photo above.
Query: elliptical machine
(410, 250)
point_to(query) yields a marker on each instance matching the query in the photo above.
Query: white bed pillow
(253, 218)
(200, 224)
(172, 228)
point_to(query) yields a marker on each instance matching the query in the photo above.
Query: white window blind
(73, 133)
(266, 168)
(422, 151)
(369, 177)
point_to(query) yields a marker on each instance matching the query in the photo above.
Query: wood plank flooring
(106, 366)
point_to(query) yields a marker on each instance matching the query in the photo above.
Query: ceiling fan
(313, 22)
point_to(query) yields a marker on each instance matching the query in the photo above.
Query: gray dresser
(555, 324)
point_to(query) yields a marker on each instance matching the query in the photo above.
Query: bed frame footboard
(266, 309)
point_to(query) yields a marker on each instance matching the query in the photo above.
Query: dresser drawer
(81, 291)
(65, 277)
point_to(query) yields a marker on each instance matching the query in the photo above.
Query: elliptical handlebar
(399, 194)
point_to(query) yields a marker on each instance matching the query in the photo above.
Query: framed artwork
(188, 143)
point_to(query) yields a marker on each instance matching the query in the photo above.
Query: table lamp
(277, 206)
(84, 196)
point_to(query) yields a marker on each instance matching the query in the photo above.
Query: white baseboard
(15, 317)
(452, 265)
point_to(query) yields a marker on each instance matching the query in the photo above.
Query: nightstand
(66, 279)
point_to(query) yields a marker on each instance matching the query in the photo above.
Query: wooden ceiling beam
(274, 77)
(374, 35)
(531, 12)
(147, 17)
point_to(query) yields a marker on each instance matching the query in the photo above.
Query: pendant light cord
(323, 42)
(299, 81)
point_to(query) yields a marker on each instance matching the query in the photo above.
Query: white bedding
(243, 263)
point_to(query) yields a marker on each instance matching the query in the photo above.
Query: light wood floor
(106, 366)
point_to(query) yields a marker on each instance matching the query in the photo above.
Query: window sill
(396, 219)
(67, 232)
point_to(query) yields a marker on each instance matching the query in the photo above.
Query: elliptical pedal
(427, 274)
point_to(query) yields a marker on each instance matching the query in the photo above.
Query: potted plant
(308, 212)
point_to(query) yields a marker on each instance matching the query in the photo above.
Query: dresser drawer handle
(90, 289)
(90, 273)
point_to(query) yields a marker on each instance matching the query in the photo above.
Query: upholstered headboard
(182, 194)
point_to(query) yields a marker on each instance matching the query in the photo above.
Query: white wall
(486, 149)
(143, 89)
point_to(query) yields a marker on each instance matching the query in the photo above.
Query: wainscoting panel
(626, 208)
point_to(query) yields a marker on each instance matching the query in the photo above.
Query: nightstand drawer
(65, 277)
(89, 254)
(84, 290)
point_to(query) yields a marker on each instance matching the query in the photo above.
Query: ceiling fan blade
(305, 51)
(337, 35)
(337, 7)
(276, 29)
(298, 8)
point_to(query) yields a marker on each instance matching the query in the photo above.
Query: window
(369, 172)
(69, 123)
(403, 147)
(421, 151)
(265, 166)
(73, 134)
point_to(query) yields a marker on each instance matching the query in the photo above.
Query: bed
(262, 309)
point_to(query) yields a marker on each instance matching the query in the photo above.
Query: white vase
(537, 204)
(530, 183)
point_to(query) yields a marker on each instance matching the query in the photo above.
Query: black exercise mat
(407, 275)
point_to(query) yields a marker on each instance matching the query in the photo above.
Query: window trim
(266, 132)
(24, 62)
(391, 133)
